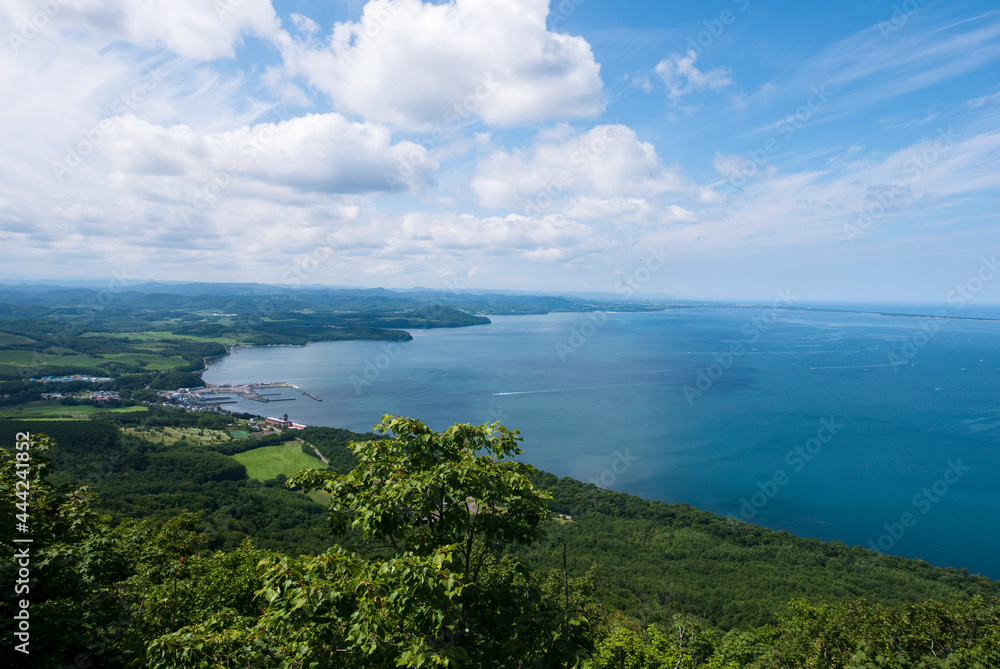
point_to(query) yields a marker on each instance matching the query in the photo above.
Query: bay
(870, 429)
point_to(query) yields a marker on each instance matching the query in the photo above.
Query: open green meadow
(159, 335)
(151, 360)
(269, 461)
(7, 339)
(33, 358)
(51, 409)
(169, 435)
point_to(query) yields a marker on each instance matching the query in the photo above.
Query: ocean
(871, 429)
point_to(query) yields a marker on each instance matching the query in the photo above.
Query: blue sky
(843, 151)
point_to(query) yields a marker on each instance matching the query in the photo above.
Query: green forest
(419, 548)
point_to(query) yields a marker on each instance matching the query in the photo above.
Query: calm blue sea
(869, 429)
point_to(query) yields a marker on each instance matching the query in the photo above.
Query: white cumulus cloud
(421, 66)
(606, 162)
(318, 152)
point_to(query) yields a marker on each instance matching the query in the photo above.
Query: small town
(71, 378)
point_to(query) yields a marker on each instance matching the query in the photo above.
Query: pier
(249, 391)
(283, 384)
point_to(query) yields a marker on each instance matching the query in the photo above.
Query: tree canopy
(436, 560)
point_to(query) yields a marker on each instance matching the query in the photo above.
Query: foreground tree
(428, 584)
(457, 497)
(421, 491)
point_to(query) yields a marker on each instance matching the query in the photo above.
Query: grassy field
(171, 435)
(269, 461)
(153, 360)
(239, 434)
(48, 409)
(32, 358)
(157, 335)
(7, 339)
(46, 419)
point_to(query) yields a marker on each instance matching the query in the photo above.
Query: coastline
(240, 347)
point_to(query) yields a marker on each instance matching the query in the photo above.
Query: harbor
(222, 394)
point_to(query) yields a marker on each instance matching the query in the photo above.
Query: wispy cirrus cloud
(866, 70)
(807, 208)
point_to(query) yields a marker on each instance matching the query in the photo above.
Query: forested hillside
(437, 549)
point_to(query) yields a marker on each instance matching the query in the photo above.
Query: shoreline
(207, 359)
